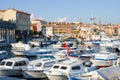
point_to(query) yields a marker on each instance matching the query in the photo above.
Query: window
(9, 64)
(16, 64)
(76, 68)
(49, 64)
(56, 67)
(21, 63)
(63, 68)
(2, 63)
(38, 64)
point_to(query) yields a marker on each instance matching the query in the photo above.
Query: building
(37, 24)
(43, 30)
(48, 31)
(7, 32)
(61, 28)
(2, 14)
(20, 18)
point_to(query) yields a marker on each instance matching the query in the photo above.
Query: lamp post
(92, 28)
(92, 19)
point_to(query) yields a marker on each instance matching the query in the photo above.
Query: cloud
(64, 19)
(32, 17)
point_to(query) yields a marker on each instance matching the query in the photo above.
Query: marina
(91, 58)
(59, 40)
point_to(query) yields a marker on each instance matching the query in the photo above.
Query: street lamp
(92, 19)
(91, 29)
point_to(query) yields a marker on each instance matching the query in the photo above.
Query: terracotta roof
(2, 10)
(38, 20)
(20, 11)
(34, 24)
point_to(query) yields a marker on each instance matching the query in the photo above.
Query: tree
(31, 32)
(40, 33)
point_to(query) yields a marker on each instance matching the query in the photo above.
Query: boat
(35, 52)
(61, 55)
(3, 54)
(39, 42)
(62, 70)
(81, 55)
(104, 59)
(13, 66)
(106, 73)
(39, 51)
(9, 78)
(60, 45)
(19, 48)
(37, 67)
(40, 56)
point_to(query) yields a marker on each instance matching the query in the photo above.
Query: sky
(107, 11)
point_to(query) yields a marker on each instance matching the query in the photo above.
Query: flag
(66, 47)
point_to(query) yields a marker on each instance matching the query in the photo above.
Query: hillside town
(15, 25)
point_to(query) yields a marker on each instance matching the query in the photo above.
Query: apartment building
(20, 18)
(62, 28)
(37, 24)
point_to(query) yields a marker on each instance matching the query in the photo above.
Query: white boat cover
(108, 73)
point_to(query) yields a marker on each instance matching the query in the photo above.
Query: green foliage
(35, 32)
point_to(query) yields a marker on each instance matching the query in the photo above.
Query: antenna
(99, 22)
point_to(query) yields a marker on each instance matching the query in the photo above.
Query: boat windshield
(9, 63)
(76, 68)
(2, 63)
(38, 64)
(56, 67)
(63, 67)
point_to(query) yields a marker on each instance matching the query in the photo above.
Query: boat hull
(18, 53)
(81, 59)
(57, 77)
(10, 72)
(29, 74)
(104, 63)
(60, 57)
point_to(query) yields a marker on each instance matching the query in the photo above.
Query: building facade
(49, 31)
(20, 18)
(61, 28)
(7, 32)
(37, 24)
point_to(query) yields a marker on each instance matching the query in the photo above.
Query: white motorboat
(104, 59)
(35, 52)
(37, 67)
(19, 48)
(62, 70)
(39, 42)
(79, 55)
(106, 73)
(13, 66)
(61, 55)
(39, 51)
(3, 54)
